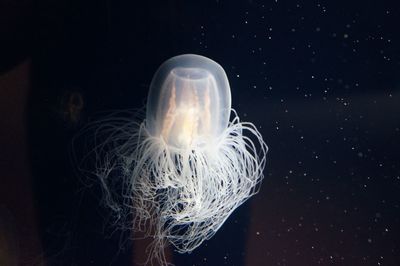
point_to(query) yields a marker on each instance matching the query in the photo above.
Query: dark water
(319, 78)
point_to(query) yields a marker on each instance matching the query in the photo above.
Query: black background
(320, 79)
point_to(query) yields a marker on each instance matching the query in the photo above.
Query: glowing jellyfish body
(189, 101)
(185, 167)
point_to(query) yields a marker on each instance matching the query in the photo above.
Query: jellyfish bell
(189, 102)
(179, 172)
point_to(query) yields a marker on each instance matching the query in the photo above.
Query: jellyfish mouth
(190, 73)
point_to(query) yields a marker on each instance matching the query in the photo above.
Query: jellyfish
(178, 171)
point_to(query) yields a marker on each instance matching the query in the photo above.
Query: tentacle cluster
(180, 197)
